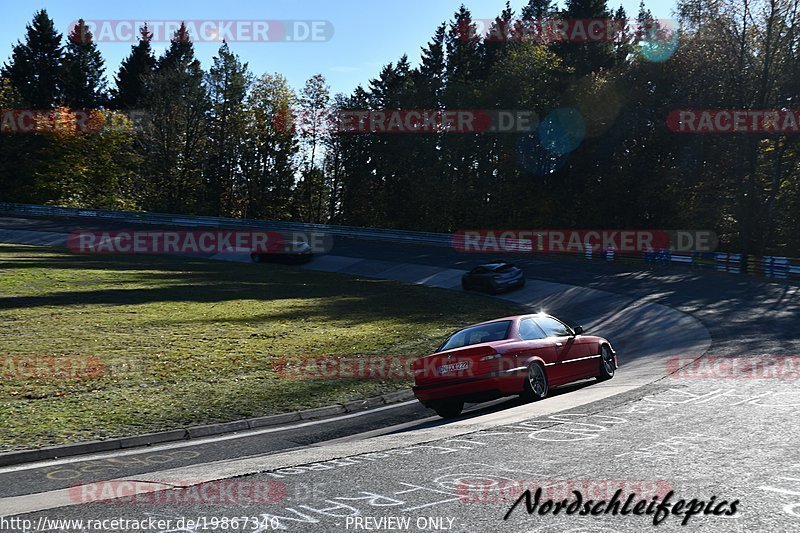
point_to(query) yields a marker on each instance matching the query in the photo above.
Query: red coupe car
(525, 355)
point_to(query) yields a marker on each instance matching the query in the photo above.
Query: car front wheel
(607, 366)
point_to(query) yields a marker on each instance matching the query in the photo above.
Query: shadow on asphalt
(481, 409)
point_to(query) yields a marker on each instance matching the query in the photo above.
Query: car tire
(448, 408)
(607, 366)
(466, 285)
(536, 386)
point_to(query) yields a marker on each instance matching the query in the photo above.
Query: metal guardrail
(775, 267)
(784, 268)
(139, 217)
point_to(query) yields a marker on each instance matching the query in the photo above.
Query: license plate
(452, 367)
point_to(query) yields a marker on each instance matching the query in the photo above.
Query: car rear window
(493, 331)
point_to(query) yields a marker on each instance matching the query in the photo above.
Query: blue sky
(367, 33)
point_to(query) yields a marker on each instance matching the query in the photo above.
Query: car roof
(512, 318)
(494, 264)
(505, 318)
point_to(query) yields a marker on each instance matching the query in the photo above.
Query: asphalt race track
(649, 431)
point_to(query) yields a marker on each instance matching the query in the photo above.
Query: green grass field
(172, 342)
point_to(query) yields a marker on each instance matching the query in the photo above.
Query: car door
(539, 344)
(571, 352)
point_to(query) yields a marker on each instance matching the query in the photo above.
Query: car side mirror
(577, 330)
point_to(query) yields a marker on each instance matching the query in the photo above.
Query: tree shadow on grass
(178, 280)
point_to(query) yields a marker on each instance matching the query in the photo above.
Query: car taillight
(490, 357)
(419, 367)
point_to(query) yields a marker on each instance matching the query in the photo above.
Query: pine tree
(538, 10)
(431, 73)
(588, 56)
(311, 196)
(536, 17)
(227, 81)
(131, 80)
(180, 53)
(16, 162)
(174, 130)
(644, 14)
(466, 77)
(84, 82)
(464, 48)
(623, 44)
(396, 155)
(647, 27)
(499, 36)
(270, 149)
(36, 69)
(429, 82)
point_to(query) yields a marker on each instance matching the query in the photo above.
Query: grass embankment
(171, 342)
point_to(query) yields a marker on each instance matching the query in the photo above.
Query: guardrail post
(794, 269)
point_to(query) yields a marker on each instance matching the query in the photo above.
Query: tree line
(215, 141)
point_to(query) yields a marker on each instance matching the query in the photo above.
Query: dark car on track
(524, 355)
(292, 252)
(497, 276)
